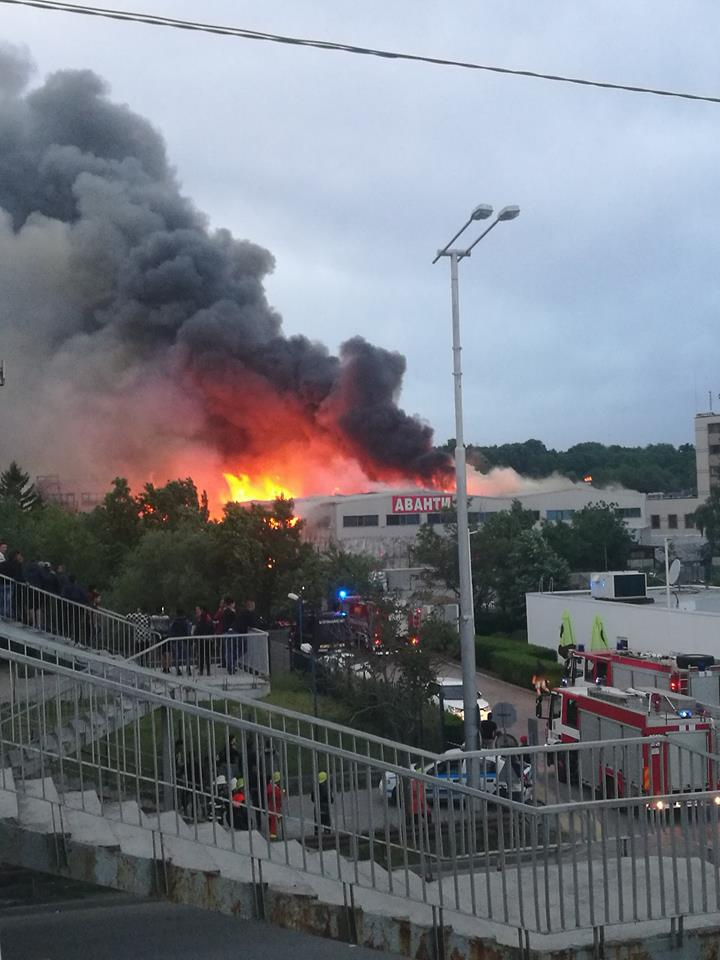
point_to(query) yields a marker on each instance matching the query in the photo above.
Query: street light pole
(467, 613)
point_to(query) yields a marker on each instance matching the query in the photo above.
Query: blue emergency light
(685, 714)
(342, 594)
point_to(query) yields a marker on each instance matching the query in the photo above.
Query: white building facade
(688, 623)
(385, 524)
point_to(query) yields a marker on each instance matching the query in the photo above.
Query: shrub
(440, 637)
(515, 661)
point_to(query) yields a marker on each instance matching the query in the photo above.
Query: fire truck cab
(675, 761)
(694, 675)
(368, 622)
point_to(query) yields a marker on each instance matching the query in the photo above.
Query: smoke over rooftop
(140, 342)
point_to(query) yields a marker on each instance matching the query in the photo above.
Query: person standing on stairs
(274, 796)
(180, 628)
(204, 641)
(322, 799)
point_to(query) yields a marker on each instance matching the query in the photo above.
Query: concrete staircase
(68, 739)
(158, 854)
(120, 845)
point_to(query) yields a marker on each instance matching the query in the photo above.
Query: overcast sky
(591, 317)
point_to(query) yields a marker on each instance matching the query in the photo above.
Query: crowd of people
(198, 641)
(30, 591)
(20, 579)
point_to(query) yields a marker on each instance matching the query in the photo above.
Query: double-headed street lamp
(467, 616)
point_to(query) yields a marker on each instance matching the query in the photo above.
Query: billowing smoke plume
(137, 340)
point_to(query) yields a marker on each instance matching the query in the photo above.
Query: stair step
(134, 840)
(8, 795)
(88, 828)
(169, 822)
(125, 812)
(35, 805)
(85, 800)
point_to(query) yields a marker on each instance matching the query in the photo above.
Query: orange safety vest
(417, 796)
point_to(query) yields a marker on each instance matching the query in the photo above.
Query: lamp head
(509, 213)
(293, 596)
(482, 212)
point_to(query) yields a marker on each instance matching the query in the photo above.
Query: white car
(452, 691)
(493, 777)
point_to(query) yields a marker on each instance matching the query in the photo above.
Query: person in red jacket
(274, 796)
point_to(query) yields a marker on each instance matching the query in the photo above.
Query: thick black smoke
(138, 339)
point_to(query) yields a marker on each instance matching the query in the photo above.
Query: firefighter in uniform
(274, 796)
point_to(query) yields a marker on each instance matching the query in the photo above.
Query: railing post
(168, 750)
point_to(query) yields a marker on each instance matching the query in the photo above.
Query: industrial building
(385, 523)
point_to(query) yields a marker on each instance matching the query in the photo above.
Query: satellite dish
(675, 568)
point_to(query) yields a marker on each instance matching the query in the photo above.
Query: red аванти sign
(422, 503)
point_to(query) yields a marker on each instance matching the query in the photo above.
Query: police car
(494, 776)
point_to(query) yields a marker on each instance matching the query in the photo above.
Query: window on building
(369, 520)
(447, 516)
(689, 521)
(553, 515)
(672, 521)
(714, 448)
(628, 512)
(655, 521)
(402, 519)
(479, 516)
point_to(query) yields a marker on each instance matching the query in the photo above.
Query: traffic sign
(504, 715)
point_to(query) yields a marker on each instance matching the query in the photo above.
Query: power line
(152, 20)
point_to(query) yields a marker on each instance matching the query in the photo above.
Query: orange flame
(242, 488)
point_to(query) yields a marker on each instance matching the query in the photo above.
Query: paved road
(497, 691)
(144, 930)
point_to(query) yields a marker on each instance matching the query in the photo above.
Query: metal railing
(561, 838)
(107, 632)
(208, 654)
(75, 623)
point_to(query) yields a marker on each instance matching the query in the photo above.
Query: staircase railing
(518, 852)
(74, 623)
(209, 653)
(105, 631)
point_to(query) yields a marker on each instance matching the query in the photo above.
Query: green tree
(116, 522)
(438, 553)
(15, 485)
(262, 550)
(707, 520)
(171, 567)
(597, 538)
(67, 538)
(530, 560)
(170, 505)
(323, 573)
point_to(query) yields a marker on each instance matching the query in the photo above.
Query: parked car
(452, 691)
(494, 776)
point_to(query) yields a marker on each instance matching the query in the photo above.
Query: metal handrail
(472, 842)
(198, 689)
(215, 651)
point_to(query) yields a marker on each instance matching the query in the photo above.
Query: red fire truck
(674, 759)
(695, 675)
(368, 622)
